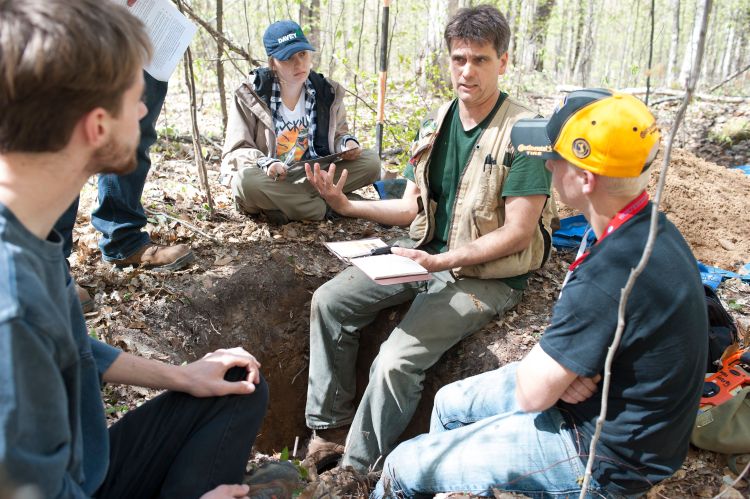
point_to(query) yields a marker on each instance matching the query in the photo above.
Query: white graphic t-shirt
(292, 131)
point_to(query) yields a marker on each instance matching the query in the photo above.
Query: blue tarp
(572, 229)
(743, 168)
(713, 276)
(571, 232)
(390, 188)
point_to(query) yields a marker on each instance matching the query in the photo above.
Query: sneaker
(159, 257)
(325, 449)
(87, 303)
(276, 217)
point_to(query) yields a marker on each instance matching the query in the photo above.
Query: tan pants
(254, 191)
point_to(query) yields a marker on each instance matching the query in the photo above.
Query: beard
(114, 157)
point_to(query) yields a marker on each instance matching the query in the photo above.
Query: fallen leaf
(223, 260)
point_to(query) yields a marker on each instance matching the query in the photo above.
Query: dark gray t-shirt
(50, 370)
(657, 374)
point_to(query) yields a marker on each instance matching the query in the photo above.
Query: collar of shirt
(621, 217)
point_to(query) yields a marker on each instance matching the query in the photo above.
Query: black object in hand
(384, 250)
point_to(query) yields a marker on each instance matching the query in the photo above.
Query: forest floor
(252, 282)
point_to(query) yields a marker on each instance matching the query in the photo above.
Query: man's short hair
(480, 24)
(621, 186)
(60, 59)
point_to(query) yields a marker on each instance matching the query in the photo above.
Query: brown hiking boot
(274, 480)
(325, 448)
(159, 257)
(87, 303)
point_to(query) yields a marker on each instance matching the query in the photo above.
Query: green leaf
(284, 454)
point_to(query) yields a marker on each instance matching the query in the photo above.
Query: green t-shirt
(450, 155)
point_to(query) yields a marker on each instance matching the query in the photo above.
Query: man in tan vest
(479, 219)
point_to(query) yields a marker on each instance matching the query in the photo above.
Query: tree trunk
(586, 44)
(728, 49)
(572, 38)
(579, 43)
(522, 30)
(432, 67)
(559, 43)
(688, 72)
(741, 58)
(309, 19)
(539, 33)
(512, 19)
(220, 64)
(358, 67)
(674, 43)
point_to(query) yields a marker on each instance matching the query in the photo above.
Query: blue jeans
(444, 310)
(479, 439)
(120, 216)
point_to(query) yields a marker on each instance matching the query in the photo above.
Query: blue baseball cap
(283, 39)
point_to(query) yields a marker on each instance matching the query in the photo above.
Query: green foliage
(284, 456)
(734, 130)
(116, 408)
(736, 306)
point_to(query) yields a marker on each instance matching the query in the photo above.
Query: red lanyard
(622, 216)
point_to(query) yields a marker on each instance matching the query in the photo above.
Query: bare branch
(219, 37)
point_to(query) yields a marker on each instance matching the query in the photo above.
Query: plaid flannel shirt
(265, 162)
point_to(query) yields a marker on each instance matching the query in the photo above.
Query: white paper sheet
(170, 33)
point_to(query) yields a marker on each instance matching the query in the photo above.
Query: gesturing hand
(322, 180)
(227, 492)
(205, 377)
(580, 389)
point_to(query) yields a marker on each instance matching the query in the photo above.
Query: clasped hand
(581, 389)
(205, 377)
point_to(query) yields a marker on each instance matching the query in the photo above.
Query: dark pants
(181, 446)
(120, 216)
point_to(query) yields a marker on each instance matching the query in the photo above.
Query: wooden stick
(216, 35)
(197, 148)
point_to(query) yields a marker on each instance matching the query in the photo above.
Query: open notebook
(381, 268)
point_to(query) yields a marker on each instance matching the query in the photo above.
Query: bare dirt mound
(710, 204)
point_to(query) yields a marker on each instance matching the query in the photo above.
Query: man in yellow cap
(527, 426)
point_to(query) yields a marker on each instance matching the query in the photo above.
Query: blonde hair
(620, 186)
(60, 59)
(625, 186)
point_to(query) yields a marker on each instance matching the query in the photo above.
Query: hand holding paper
(426, 260)
(373, 257)
(170, 33)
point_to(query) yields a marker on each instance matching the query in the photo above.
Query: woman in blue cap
(282, 114)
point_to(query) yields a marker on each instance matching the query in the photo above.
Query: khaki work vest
(478, 208)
